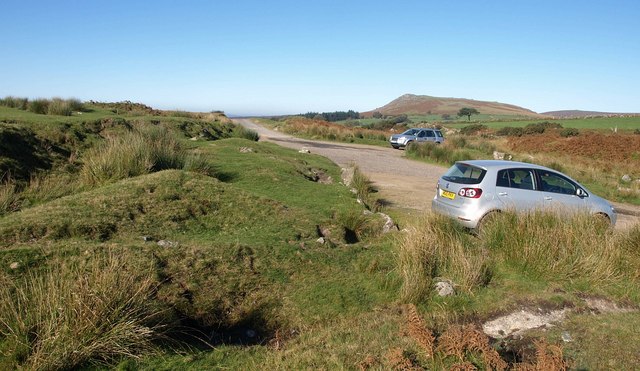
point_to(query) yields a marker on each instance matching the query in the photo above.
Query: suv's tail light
(470, 192)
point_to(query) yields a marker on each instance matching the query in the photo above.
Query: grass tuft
(89, 313)
(141, 151)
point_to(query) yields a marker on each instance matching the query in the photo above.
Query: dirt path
(401, 182)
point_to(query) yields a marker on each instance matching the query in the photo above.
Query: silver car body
(472, 189)
(416, 135)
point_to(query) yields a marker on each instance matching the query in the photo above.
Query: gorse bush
(95, 312)
(140, 151)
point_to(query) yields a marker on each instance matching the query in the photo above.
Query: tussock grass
(545, 246)
(9, 196)
(557, 248)
(437, 247)
(244, 133)
(364, 189)
(141, 151)
(95, 312)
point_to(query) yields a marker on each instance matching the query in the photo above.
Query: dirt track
(401, 182)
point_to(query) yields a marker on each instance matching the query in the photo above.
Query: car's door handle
(547, 198)
(502, 193)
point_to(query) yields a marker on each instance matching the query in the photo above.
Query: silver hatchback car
(471, 190)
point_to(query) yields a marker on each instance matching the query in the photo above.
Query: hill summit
(411, 104)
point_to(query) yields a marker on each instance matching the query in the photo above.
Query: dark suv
(416, 135)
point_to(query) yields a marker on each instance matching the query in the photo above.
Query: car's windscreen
(438, 133)
(410, 132)
(464, 174)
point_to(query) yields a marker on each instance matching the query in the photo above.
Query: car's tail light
(470, 192)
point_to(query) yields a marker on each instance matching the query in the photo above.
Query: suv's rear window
(464, 174)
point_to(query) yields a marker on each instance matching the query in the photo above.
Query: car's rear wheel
(486, 220)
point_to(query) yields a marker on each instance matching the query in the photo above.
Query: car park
(472, 190)
(416, 135)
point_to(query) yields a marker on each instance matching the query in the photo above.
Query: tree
(467, 112)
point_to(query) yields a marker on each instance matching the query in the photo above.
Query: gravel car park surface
(401, 182)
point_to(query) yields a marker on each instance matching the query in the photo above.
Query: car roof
(501, 164)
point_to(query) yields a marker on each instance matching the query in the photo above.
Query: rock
(246, 150)
(389, 224)
(445, 288)
(193, 138)
(14, 265)
(347, 175)
(166, 243)
(566, 337)
(626, 178)
(147, 238)
(501, 156)
(320, 240)
(304, 150)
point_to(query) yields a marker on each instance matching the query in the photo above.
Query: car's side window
(430, 134)
(556, 183)
(516, 178)
(421, 134)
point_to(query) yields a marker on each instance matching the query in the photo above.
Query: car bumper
(459, 214)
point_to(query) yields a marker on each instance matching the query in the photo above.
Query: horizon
(251, 58)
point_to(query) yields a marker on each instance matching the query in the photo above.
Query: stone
(246, 150)
(14, 265)
(166, 243)
(304, 150)
(626, 178)
(320, 240)
(389, 224)
(445, 288)
(501, 156)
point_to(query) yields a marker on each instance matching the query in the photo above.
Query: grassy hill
(410, 104)
(168, 241)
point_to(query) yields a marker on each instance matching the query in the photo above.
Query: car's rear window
(464, 174)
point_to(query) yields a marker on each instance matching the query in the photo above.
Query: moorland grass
(96, 312)
(541, 246)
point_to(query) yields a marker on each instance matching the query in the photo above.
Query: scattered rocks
(501, 156)
(445, 288)
(14, 265)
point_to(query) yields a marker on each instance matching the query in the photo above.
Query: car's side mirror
(581, 193)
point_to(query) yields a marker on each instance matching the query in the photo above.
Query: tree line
(333, 116)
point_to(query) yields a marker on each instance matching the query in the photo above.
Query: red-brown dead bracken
(591, 144)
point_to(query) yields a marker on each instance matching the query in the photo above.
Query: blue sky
(277, 57)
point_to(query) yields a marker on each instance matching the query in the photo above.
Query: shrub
(39, 106)
(540, 127)
(473, 129)
(637, 131)
(93, 313)
(510, 131)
